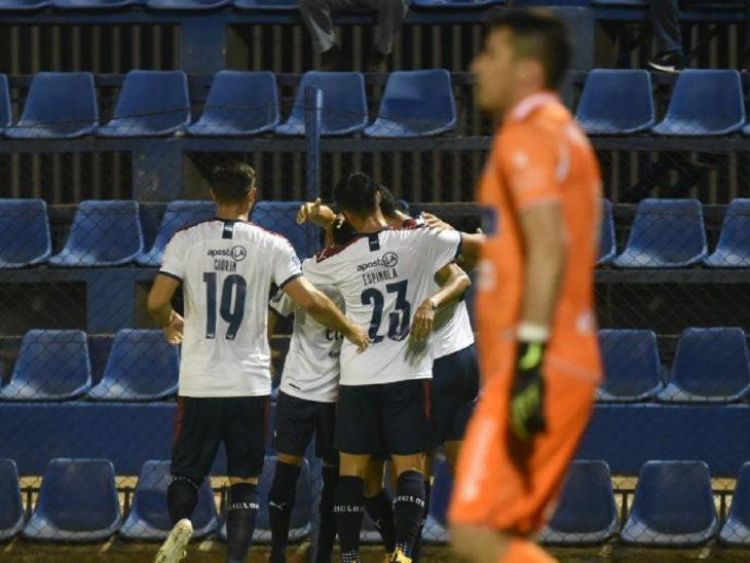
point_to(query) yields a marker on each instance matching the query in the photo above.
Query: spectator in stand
(317, 16)
(665, 24)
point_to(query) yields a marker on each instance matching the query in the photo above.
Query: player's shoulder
(340, 251)
(197, 228)
(256, 233)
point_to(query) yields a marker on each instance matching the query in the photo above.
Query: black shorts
(296, 422)
(455, 385)
(391, 417)
(203, 423)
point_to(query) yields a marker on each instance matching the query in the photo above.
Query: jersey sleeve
(173, 263)
(440, 247)
(281, 303)
(529, 162)
(286, 266)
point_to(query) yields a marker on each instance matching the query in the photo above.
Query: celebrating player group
(382, 367)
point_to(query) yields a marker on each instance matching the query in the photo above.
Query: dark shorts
(455, 385)
(391, 417)
(296, 422)
(203, 423)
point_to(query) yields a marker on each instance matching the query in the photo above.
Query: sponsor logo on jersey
(237, 253)
(388, 260)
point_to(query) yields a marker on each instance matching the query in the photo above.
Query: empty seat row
(156, 103)
(710, 365)
(703, 103)
(671, 233)
(109, 233)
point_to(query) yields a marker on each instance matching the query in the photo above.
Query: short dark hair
(232, 181)
(539, 34)
(343, 232)
(356, 193)
(388, 202)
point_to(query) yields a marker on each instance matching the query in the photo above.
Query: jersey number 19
(231, 310)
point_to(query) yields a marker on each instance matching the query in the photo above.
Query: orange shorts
(490, 488)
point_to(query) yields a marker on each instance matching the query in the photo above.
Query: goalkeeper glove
(527, 398)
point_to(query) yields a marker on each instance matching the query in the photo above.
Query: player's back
(227, 269)
(540, 156)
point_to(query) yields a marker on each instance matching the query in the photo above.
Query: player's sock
(408, 507)
(280, 504)
(327, 532)
(416, 551)
(380, 510)
(242, 510)
(182, 498)
(350, 511)
(524, 551)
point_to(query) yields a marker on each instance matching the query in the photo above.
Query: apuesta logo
(237, 253)
(387, 260)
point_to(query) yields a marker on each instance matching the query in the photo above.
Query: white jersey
(311, 368)
(226, 269)
(383, 277)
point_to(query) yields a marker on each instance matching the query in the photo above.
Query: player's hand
(173, 330)
(435, 222)
(424, 317)
(527, 417)
(359, 337)
(307, 211)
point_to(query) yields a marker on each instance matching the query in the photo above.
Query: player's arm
(325, 311)
(471, 243)
(454, 282)
(159, 305)
(319, 214)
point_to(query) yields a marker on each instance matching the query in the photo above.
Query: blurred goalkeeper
(539, 354)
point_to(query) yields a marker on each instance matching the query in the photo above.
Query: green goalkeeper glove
(527, 399)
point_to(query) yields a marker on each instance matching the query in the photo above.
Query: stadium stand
(24, 5)
(188, 5)
(11, 505)
(281, 217)
(586, 514)
(608, 241)
(77, 503)
(96, 4)
(632, 367)
(264, 5)
(6, 114)
(148, 518)
(736, 530)
(31, 243)
(733, 249)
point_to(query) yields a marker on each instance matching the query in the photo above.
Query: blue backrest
(424, 97)
(11, 506)
(247, 98)
(712, 361)
(6, 114)
(741, 497)
(631, 362)
(24, 232)
(587, 503)
(106, 230)
(60, 97)
(154, 95)
(178, 215)
(735, 230)
(616, 101)
(281, 217)
(608, 240)
(344, 99)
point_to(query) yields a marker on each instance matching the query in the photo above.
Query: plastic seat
(239, 104)
(142, 366)
(301, 520)
(619, 3)
(281, 217)
(149, 518)
(178, 215)
(608, 240)
(152, 103)
(415, 103)
(667, 233)
(616, 102)
(25, 226)
(587, 513)
(733, 250)
(455, 4)
(6, 115)
(344, 104)
(631, 364)
(103, 5)
(736, 529)
(77, 503)
(188, 5)
(436, 526)
(23, 5)
(104, 233)
(710, 365)
(53, 365)
(59, 105)
(705, 103)
(272, 5)
(673, 506)
(11, 506)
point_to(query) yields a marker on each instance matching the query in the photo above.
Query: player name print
(225, 259)
(386, 269)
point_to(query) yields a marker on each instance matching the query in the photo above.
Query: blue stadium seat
(455, 4)
(178, 215)
(619, 3)
(673, 506)
(705, 103)
(152, 103)
(273, 5)
(667, 233)
(239, 104)
(53, 365)
(736, 529)
(189, 5)
(77, 503)
(710, 365)
(108, 5)
(733, 250)
(104, 233)
(142, 366)
(6, 115)
(586, 514)
(149, 518)
(281, 217)
(301, 520)
(616, 102)
(436, 527)
(23, 5)
(11, 506)
(344, 104)
(59, 105)
(416, 103)
(632, 367)
(608, 240)
(27, 221)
